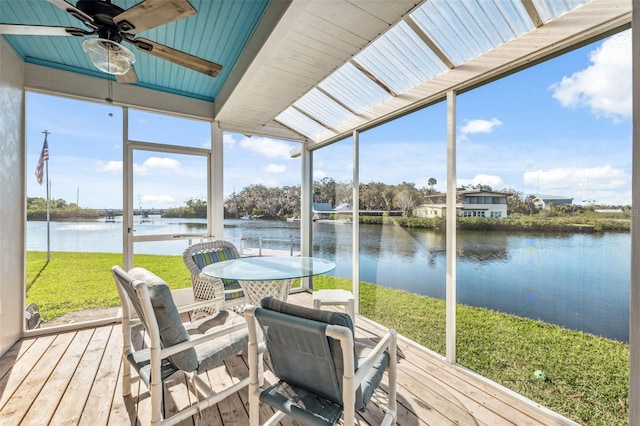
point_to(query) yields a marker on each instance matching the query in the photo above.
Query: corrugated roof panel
(465, 29)
(354, 89)
(550, 9)
(401, 59)
(322, 107)
(299, 122)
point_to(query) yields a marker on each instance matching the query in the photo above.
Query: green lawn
(587, 376)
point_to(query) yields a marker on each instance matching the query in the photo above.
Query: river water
(578, 281)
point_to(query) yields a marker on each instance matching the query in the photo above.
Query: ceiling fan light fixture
(109, 56)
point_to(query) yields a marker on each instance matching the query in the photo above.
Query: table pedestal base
(255, 291)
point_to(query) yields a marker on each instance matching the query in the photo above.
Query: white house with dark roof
(469, 203)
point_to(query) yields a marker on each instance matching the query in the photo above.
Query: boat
(251, 216)
(293, 219)
(334, 221)
(110, 217)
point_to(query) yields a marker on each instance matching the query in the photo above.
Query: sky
(562, 127)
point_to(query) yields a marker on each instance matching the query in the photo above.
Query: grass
(587, 376)
(73, 281)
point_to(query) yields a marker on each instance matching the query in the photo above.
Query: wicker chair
(205, 287)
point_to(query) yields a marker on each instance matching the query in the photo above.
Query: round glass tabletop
(268, 268)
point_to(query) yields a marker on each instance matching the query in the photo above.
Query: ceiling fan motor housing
(103, 13)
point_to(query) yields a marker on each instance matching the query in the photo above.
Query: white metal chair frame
(158, 353)
(351, 379)
(205, 286)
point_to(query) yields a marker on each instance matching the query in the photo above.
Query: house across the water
(469, 203)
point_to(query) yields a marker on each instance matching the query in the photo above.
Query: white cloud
(268, 147)
(576, 180)
(479, 126)
(156, 164)
(228, 140)
(275, 168)
(151, 163)
(114, 167)
(605, 85)
(319, 174)
(495, 182)
(161, 163)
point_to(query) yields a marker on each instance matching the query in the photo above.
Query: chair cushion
(170, 325)
(232, 290)
(328, 317)
(302, 404)
(300, 354)
(372, 380)
(214, 351)
(203, 258)
(207, 257)
(323, 316)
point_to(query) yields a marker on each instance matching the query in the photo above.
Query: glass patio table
(260, 277)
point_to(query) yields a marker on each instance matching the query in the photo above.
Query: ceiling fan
(112, 25)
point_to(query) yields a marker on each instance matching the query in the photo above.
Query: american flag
(44, 156)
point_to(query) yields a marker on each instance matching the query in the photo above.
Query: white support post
(451, 229)
(127, 194)
(634, 298)
(215, 184)
(355, 219)
(306, 206)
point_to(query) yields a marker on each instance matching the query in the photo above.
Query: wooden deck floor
(74, 378)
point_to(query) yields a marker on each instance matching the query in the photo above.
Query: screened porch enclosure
(334, 80)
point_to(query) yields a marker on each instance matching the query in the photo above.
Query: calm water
(578, 281)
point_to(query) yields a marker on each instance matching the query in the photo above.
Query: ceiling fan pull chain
(109, 97)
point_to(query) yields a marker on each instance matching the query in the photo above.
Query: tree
(406, 200)
(371, 196)
(324, 191)
(478, 187)
(432, 182)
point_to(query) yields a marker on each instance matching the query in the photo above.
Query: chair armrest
(386, 343)
(183, 296)
(222, 331)
(202, 304)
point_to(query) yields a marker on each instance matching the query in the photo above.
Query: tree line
(281, 202)
(278, 202)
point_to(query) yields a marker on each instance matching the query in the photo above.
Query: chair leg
(392, 406)
(126, 377)
(155, 390)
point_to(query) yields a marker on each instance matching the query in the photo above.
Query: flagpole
(46, 166)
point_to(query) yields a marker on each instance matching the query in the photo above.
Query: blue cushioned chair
(193, 348)
(322, 374)
(205, 287)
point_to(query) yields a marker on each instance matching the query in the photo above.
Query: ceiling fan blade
(129, 77)
(178, 57)
(152, 13)
(41, 30)
(74, 11)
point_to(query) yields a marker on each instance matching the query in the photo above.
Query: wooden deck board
(44, 406)
(74, 400)
(75, 378)
(21, 400)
